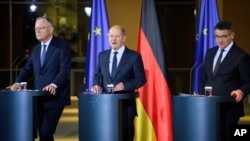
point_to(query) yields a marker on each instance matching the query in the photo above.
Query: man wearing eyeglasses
(227, 69)
(49, 64)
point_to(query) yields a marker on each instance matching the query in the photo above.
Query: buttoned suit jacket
(233, 73)
(55, 69)
(130, 71)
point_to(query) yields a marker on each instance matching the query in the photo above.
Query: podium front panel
(196, 118)
(99, 116)
(16, 110)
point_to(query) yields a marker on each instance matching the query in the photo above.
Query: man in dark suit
(51, 74)
(231, 78)
(128, 76)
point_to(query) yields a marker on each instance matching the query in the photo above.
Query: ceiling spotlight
(33, 8)
(87, 11)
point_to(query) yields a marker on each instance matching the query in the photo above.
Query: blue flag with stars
(208, 18)
(98, 40)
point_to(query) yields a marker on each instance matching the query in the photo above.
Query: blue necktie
(114, 65)
(43, 54)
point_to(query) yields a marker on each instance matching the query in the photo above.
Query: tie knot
(115, 53)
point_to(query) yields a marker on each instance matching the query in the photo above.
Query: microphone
(15, 60)
(191, 75)
(11, 67)
(197, 72)
(26, 56)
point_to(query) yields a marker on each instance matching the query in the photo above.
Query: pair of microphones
(15, 63)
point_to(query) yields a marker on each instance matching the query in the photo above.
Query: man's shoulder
(239, 49)
(212, 50)
(130, 51)
(105, 51)
(58, 40)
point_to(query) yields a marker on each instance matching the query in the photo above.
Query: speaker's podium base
(197, 118)
(99, 118)
(16, 115)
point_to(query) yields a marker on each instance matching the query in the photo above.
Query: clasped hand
(118, 87)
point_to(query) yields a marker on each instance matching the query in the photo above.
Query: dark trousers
(47, 120)
(128, 115)
(226, 123)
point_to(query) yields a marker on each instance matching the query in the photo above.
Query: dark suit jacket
(234, 73)
(130, 72)
(55, 69)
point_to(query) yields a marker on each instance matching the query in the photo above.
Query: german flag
(154, 107)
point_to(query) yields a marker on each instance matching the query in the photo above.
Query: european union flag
(98, 40)
(208, 18)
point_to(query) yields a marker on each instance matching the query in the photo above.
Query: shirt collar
(120, 50)
(47, 43)
(229, 46)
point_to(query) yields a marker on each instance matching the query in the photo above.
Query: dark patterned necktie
(217, 65)
(114, 65)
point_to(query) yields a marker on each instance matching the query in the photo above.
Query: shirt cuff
(53, 85)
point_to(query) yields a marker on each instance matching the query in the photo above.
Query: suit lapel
(122, 62)
(36, 58)
(226, 61)
(105, 60)
(211, 60)
(50, 50)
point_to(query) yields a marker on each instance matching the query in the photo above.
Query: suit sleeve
(97, 75)
(65, 64)
(244, 71)
(139, 75)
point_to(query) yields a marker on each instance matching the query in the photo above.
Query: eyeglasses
(40, 28)
(222, 37)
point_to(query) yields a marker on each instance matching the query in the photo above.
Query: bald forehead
(117, 30)
(44, 20)
(41, 21)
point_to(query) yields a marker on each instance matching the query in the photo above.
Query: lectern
(99, 118)
(197, 118)
(16, 114)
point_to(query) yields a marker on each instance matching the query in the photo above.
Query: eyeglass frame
(223, 37)
(41, 28)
